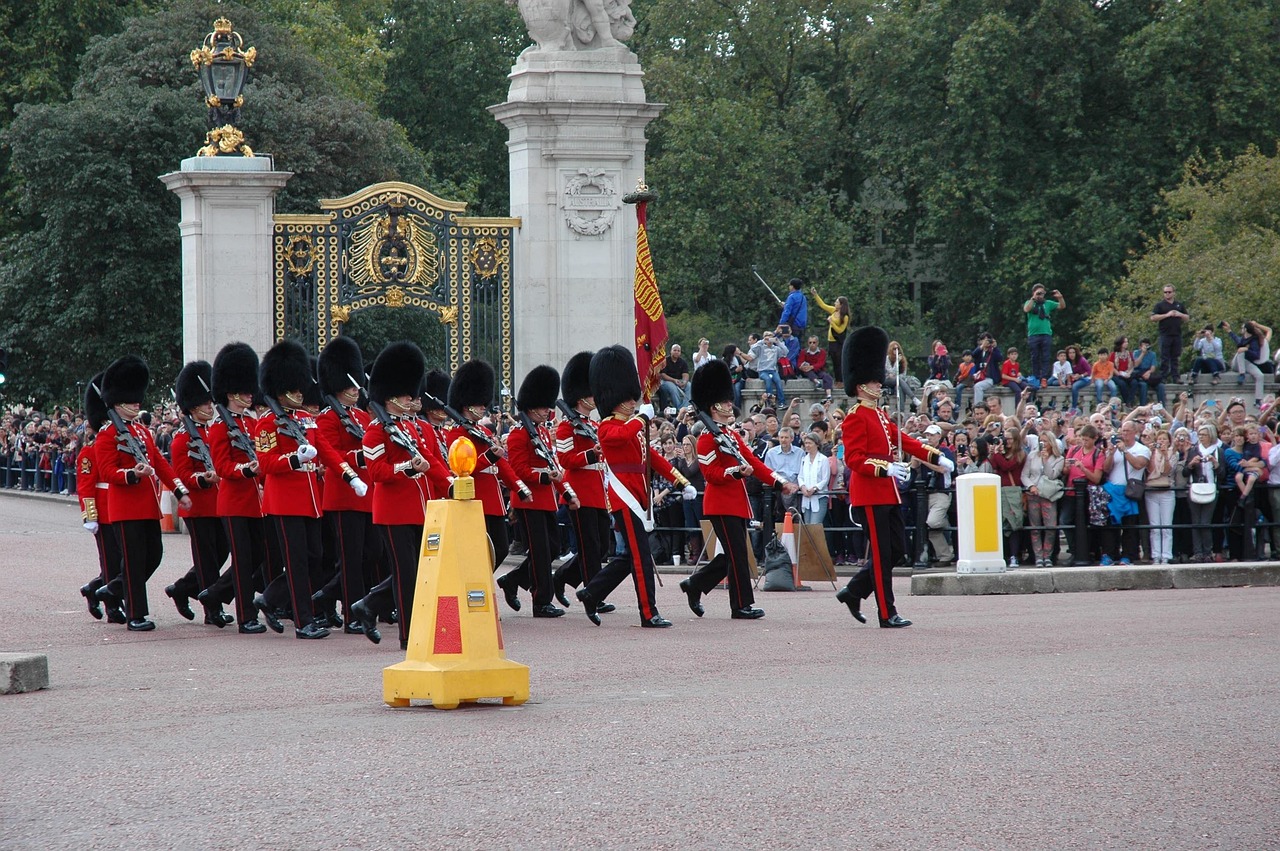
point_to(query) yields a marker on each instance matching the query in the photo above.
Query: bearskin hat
(472, 385)
(235, 372)
(397, 371)
(539, 388)
(613, 378)
(435, 390)
(286, 367)
(311, 395)
(341, 366)
(712, 384)
(95, 410)
(863, 358)
(193, 387)
(575, 381)
(125, 381)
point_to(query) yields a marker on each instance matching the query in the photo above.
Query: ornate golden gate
(398, 246)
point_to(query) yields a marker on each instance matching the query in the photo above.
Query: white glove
(645, 410)
(946, 463)
(358, 485)
(690, 492)
(307, 452)
(900, 471)
(91, 527)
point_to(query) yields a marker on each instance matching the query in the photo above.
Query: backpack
(776, 568)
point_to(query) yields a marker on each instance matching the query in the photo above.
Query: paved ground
(1116, 720)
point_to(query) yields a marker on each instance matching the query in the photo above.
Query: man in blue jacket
(795, 311)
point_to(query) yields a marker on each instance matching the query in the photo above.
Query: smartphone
(1115, 440)
(1212, 402)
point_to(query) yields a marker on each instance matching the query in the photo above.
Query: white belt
(103, 485)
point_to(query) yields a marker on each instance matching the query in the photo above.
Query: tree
(100, 275)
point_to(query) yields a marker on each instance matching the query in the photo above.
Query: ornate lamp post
(223, 65)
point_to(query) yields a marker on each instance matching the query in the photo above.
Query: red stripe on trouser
(647, 610)
(736, 570)
(242, 609)
(877, 564)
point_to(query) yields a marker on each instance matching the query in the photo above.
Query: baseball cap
(933, 429)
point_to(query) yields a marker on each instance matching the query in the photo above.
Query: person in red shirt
(578, 452)
(135, 470)
(532, 454)
(1011, 373)
(623, 442)
(726, 461)
(287, 441)
(92, 491)
(871, 441)
(193, 462)
(348, 506)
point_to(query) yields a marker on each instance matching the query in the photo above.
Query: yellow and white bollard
(979, 542)
(455, 653)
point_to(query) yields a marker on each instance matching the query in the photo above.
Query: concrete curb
(1061, 580)
(21, 672)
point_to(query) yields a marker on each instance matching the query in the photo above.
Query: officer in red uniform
(871, 440)
(287, 440)
(433, 425)
(578, 452)
(624, 444)
(470, 395)
(193, 462)
(93, 493)
(726, 461)
(135, 469)
(235, 459)
(348, 505)
(532, 456)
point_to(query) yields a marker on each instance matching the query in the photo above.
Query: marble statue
(559, 25)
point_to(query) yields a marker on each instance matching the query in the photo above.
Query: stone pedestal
(576, 122)
(227, 209)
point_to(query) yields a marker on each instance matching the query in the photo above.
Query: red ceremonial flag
(651, 321)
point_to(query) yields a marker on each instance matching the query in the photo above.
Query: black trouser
(359, 550)
(301, 554)
(730, 562)
(1170, 355)
(107, 540)
(247, 538)
(141, 551)
(1222, 542)
(635, 561)
(888, 536)
(496, 526)
(403, 543)
(534, 572)
(1122, 541)
(591, 527)
(209, 549)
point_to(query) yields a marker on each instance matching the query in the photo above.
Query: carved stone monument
(576, 114)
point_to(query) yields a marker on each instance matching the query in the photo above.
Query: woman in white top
(1161, 472)
(703, 354)
(815, 473)
(1043, 465)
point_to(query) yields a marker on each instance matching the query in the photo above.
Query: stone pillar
(228, 204)
(576, 121)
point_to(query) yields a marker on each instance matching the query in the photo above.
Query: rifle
(724, 441)
(196, 447)
(344, 417)
(124, 438)
(394, 433)
(235, 434)
(766, 284)
(544, 452)
(478, 436)
(581, 425)
(286, 424)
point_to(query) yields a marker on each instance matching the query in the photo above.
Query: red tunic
(584, 470)
(400, 493)
(204, 495)
(623, 444)
(870, 439)
(532, 468)
(726, 493)
(490, 468)
(431, 445)
(240, 491)
(133, 498)
(90, 487)
(342, 453)
(291, 487)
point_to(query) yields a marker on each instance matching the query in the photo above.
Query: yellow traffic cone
(455, 652)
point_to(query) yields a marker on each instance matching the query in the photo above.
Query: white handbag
(1203, 493)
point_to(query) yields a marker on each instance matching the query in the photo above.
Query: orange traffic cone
(789, 542)
(168, 507)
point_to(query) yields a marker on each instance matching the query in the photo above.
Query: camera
(1115, 440)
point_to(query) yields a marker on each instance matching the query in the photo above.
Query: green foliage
(1221, 250)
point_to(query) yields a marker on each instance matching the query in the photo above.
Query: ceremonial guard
(529, 448)
(625, 446)
(433, 424)
(873, 448)
(93, 492)
(193, 462)
(348, 506)
(287, 441)
(470, 395)
(578, 452)
(134, 469)
(726, 461)
(403, 471)
(235, 458)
